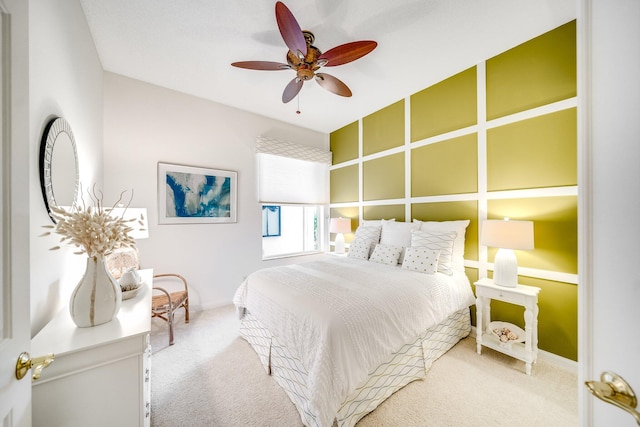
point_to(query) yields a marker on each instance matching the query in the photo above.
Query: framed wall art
(195, 195)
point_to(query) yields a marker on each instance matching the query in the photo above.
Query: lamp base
(339, 248)
(505, 268)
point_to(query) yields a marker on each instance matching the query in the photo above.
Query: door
(15, 396)
(609, 40)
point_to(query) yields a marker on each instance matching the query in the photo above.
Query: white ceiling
(189, 45)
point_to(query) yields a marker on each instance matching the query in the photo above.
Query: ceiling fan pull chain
(298, 110)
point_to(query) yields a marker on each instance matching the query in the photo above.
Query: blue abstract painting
(194, 193)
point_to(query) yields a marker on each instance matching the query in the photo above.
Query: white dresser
(100, 375)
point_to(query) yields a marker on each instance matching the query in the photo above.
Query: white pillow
(421, 259)
(374, 222)
(436, 241)
(460, 226)
(397, 234)
(386, 254)
(368, 233)
(360, 248)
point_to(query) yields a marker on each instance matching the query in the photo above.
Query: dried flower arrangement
(91, 227)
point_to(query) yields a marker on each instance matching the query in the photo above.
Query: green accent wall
(383, 178)
(383, 129)
(535, 73)
(456, 159)
(385, 211)
(445, 106)
(534, 153)
(344, 184)
(344, 143)
(456, 162)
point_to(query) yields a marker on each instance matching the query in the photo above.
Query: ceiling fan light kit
(306, 59)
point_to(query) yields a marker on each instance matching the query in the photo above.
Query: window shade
(292, 173)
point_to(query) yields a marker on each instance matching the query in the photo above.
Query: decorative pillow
(459, 226)
(386, 254)
(368, 233)
(421, 259)
(374, 222)
(397, 234)
(436, 241)
(360, 248)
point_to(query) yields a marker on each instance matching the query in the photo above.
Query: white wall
(145, 124)
(65, 79)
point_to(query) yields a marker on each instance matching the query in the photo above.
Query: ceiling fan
(306, 59)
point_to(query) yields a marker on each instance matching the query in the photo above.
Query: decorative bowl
(131, 293)
(505, 333)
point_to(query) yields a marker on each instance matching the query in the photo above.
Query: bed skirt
(408, 364)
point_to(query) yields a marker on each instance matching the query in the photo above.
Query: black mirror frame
(52, 130)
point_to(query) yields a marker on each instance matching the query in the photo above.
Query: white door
(609, 37)
(15, 396)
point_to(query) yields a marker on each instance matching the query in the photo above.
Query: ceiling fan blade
(290, 30)
(347, 52)
(291, 90)
(262, 65)
(333, 84)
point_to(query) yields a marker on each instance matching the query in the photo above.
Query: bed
(341, 334)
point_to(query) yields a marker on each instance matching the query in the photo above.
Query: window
(300, 231)
(293, 182)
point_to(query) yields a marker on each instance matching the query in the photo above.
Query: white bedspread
(343, 317)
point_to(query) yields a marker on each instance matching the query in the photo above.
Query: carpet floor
(212, 377)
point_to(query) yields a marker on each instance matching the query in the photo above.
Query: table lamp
(506, 235)
(340, 226)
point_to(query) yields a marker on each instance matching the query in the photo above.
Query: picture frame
(196, 195)
(270, 221)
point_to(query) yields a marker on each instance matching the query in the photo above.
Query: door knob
(25, 362)
(614, 389)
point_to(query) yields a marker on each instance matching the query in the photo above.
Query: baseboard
(554, 359)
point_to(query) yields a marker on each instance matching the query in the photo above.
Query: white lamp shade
(507, 234)
(340, 225)
(139, 223)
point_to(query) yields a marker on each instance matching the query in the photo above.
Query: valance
(292, 150)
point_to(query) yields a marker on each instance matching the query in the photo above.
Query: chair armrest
(156, 288)
(184, 281)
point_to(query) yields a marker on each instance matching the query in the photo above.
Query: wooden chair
(164, 303)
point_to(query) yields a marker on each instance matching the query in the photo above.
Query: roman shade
(292, 173)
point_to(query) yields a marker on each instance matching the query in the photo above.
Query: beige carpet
(212, 377)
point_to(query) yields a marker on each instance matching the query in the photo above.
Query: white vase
(97, 298)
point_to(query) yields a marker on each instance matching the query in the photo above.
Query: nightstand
(525, 296)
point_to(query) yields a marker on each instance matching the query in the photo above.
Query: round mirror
(58, 165)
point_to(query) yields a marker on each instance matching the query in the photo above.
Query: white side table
(526, 296)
